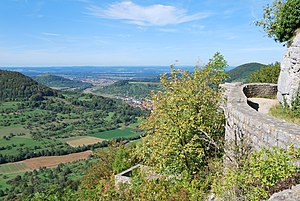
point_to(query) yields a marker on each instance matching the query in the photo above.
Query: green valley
(38, 125)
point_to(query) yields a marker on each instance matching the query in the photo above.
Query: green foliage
(38, 128)
(258, 175)
(266, 74)
(242, 72)
(16, 86)
(162, 188)
(186, 126)
(291, 114)
(102, 169)
(122, 160)
(58, 81)
(47, 183)
(281, 19)
(295, 106)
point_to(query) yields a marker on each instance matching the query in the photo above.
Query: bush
(286, 112)
(281, 19)
(267, 74)
(186, 127)
(259, 175)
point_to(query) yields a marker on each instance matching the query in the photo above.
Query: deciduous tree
(186, 127)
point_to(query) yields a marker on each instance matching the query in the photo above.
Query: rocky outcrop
(289, 78)
(287, 195)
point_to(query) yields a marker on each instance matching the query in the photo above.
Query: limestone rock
(287, 195)
(289, 78)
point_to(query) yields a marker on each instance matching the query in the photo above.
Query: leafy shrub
(286, 112)
(259, 175)
(295, 106)
(186, 127)
(267, 74)
(281, 19)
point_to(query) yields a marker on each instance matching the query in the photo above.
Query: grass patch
(284, 113)
(13, 168)
(17, 142)
(6, 105)
(117, 133)
(16, 128)
(4, 178)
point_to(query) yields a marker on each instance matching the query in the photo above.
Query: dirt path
(264, 104)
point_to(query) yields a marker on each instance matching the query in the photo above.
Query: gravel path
(264, 104)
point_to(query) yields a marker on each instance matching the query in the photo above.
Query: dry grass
(8, 130)
(284, 113)
(9, 168)
(82, 140)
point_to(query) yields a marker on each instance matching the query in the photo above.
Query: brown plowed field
(52, 161)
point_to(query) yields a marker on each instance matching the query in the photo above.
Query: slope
(16, 86)
(136, 89)
(58, 81)
(241, 73)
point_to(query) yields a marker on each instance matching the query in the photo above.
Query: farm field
(52, 161)
(4, 178)
(12, 129)
(45, 161)
(31, 129)
(82, 141)
(16, 167)
(13, 176)
(117, 133)
(16, 143)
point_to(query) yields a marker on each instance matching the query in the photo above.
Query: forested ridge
(58, 81)
(16, 86)
(136, 89)
(242, 72)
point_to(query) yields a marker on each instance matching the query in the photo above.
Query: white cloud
(168, 30)
(50, 34)
(154, 15)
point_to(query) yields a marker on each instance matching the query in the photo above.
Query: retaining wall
(244, 122)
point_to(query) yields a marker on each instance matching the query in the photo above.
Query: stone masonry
(244, 122)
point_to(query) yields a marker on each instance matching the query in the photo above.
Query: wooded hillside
(58, 81)
(16, 86)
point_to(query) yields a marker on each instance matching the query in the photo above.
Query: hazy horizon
(133, 33)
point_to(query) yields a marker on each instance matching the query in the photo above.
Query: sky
(133, 32)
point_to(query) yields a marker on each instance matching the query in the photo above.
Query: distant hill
(132, 88)
(58, 81)
(241, 73)
(16, 86)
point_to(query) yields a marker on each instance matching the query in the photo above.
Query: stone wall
(244, 122)
(260, 90)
